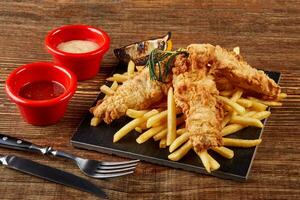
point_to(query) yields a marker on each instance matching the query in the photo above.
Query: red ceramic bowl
(41, 112)
(84, 65)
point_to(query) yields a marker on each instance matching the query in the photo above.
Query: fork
(91, 168)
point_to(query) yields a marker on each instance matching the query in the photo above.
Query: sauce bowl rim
(53, 49)
(67, 94)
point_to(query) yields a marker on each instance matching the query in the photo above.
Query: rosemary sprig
(156, 58)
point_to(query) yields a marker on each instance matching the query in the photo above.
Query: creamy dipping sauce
(78, 46)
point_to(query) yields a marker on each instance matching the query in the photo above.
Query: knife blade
(51, 174)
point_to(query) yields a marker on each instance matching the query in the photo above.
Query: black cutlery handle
(18, 144)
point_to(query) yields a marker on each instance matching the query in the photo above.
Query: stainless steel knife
(51, 174)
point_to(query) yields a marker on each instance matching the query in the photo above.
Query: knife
(51, 174)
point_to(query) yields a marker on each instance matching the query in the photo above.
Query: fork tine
(116, 166)
(112, 175)
(120, 163)
(101, 171)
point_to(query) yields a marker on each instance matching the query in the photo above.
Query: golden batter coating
(137, 93)
(195, 92)
(227, 64)
(194, 80)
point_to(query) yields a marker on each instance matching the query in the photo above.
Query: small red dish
(41, 112)
(84, 65)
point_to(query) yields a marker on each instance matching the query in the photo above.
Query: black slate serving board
(100, 139)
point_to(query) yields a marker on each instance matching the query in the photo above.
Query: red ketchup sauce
(41, 90)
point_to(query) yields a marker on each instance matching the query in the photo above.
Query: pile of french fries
(166, 124)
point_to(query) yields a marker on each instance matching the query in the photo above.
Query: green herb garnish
(156, 58)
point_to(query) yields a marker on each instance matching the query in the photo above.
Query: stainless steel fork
(91, 168)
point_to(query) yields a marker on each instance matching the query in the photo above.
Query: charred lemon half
(138, 52)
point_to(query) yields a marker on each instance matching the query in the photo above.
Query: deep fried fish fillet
(231, 66)
(195, 92)
(137, 93)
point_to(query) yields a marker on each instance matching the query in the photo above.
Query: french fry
(236, 50)
(157, 118)
(214, 165)
(114, 86)
(123, 77)
(181, 131)
(224, 151)
(135, 113)
(120, 78)
(179, 141)
(226, 93)
(229, 109)
(182, 151)
(249, 113)
(95, 121)
(112, 79)
(262, 115)
(235, 106)
(163, 121)
(160, 135)
(267, 103)
(150, 113)
(246, 121)
(203, 155)
(226, 120)
(244, 102)
(258, 106)
(233, 113)
(163, 143)
(132, 124)
(231, 128)
(130, 68)
(237, 127)
(241, 143)
(107, 90)
(127, 128)
(282, 96)
(272, 103)
(236, 95)
(138, 129)
(171, 135)
(163, 133)
(149, 133)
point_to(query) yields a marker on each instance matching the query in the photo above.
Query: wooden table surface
(268, 33)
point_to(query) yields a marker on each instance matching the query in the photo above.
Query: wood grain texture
(268, 33)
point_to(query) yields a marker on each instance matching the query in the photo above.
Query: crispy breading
(227, 64)
(137, 93)
(195, 92)
(196, 80)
